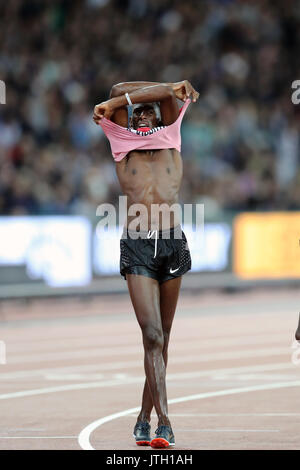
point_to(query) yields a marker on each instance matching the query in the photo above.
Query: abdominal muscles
(152, 179)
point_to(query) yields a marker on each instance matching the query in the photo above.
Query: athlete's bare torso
(151, 177)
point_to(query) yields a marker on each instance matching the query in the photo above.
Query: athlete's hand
(101, 110)
(184, 90)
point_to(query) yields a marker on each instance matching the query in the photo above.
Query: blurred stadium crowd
(60, 58)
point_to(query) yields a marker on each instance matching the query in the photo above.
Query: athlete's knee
(153, 337)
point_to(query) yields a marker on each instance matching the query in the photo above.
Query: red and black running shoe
(164, 437)
(141, 433)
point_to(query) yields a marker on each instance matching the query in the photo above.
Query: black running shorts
(160, 254)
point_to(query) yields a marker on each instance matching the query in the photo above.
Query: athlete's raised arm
(161, 93)
(182, 89)
(120, 89)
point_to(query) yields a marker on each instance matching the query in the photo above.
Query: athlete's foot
(164, 437)
(141, 433)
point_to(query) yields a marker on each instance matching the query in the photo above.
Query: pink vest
(122, 140)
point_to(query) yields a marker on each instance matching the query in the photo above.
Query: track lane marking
(134, 350)
(38, 437)
(133, 380)
(133, 364)
(84, 435)
(180, 342)
(228, 430)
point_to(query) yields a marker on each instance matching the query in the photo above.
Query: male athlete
(153, 258)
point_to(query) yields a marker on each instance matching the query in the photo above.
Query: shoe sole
(160, 442)
(142, 443)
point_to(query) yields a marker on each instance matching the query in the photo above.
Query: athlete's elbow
(115, 91)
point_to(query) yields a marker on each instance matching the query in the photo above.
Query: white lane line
(73, 377)
(180, 342)
(84, 436)
(257, 376)
(135, 380)
(229, 430)
(134, 364)
(38, 437)
(212, 415)
(10, 430)
(64, 388)
(262, 377)
(136, 350)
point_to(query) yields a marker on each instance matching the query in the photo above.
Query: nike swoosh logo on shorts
(173, 270)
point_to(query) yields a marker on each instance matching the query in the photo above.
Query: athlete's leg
(169, 292)
(145, 296)
(297, 334)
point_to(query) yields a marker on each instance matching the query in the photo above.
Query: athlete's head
(146, 115)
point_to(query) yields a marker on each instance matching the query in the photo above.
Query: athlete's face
(144, 116)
